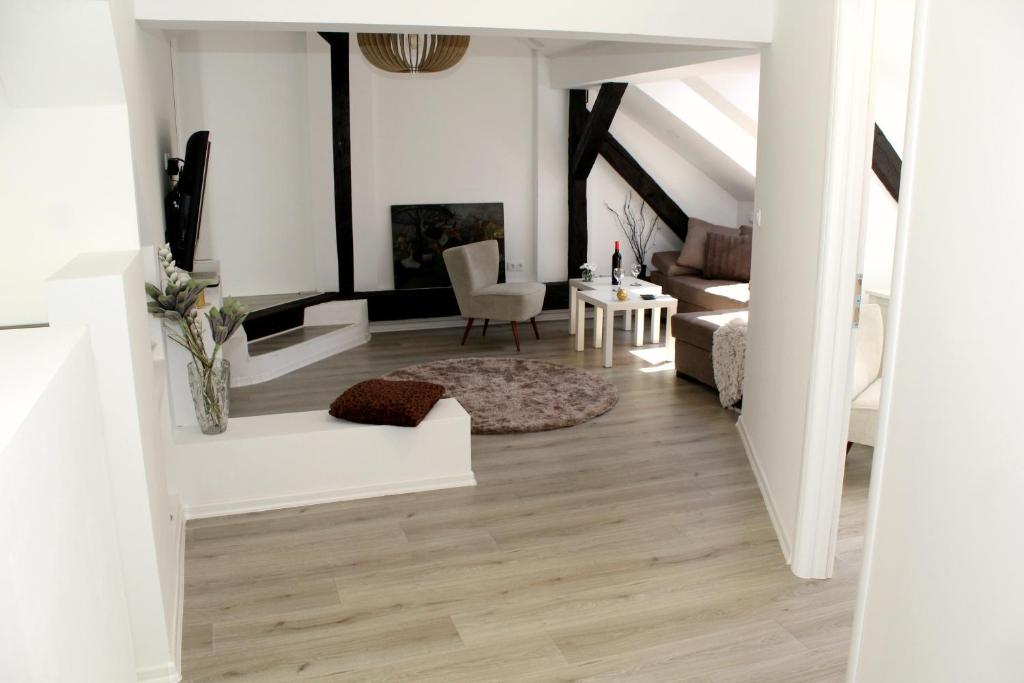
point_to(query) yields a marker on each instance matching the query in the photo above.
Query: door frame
(847, 170)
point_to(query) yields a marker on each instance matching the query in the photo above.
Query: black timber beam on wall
(598, 122)
(644, 185)
(341, 140)
(886, 163)
(577, 252)
(624, 164)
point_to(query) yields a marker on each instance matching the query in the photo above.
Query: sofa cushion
(387, 402)
(696, 293)
(692, 253)
(727, 257)
(665, 262)
(698, 328)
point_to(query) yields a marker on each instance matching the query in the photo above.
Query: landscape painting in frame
(421, 232)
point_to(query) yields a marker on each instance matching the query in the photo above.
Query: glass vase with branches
(175, 304)
(637, 227)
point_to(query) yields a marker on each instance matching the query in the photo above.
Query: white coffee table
(634, 286)
(606, 304)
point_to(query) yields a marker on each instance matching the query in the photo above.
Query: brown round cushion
(387, 402)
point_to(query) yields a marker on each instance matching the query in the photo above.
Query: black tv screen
(183, 207)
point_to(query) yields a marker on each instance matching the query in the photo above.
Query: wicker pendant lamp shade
(404, 53)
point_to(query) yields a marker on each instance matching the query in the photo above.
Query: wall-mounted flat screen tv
(183, 207)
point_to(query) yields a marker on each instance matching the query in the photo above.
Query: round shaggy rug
(504, 395)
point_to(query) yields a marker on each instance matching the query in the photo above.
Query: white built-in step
(291, 337)
(327, 329)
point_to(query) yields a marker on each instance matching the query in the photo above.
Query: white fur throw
(728, 349)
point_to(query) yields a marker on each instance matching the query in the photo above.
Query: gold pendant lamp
(410, 53)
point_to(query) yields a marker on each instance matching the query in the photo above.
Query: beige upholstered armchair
(867, 383)
(473, 270)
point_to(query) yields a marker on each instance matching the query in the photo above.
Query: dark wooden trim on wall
(577, 251)
(393, 304)
(438, 302)
(589, 135)
(886, 163)
(274, 319)
(596, 128)
(341, 137)
(645, 186)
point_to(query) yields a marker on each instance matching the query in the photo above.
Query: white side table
(606, 304)
(634, 286)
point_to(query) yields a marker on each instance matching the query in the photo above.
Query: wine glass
(635, 271)
(617, 274)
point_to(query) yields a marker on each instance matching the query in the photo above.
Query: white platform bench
(294, 459)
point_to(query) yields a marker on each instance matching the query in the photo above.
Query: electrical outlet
(514, 267)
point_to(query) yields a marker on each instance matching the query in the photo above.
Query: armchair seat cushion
(511, 289)
(508, 301)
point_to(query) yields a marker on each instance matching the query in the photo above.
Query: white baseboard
(179, 601)
(165, 673)
(766, 494)
(354, 493)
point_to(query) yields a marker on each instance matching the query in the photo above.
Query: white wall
(551, 129)
(796, 75)
(490, 130)
(941, 594)
(65, 615)
(68, 191)
(145, 58)
(66, 147)
(894, 28)
(249, 90)
(463, 135)
(147, 521)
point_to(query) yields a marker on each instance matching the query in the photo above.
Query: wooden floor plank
(634, 546)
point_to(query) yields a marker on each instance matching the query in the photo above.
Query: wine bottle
(616, 264)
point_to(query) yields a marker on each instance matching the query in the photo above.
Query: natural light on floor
(659, 359)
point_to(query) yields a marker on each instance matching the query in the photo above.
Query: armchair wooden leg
(486, 320)
(533, 321)
(515, 333)
(465, 335)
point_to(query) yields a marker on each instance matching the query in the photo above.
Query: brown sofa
(704, 306)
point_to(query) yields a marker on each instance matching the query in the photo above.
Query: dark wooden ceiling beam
(644, 185)
(598, 122)
(341, 139)
(577, 238)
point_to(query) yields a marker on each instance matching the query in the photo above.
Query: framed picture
(421, 232)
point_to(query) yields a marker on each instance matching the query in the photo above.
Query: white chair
(473, 270)
(867, 382)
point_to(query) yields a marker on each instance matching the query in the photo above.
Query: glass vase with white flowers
(209, 373)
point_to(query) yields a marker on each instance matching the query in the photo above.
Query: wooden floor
(633, 547)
